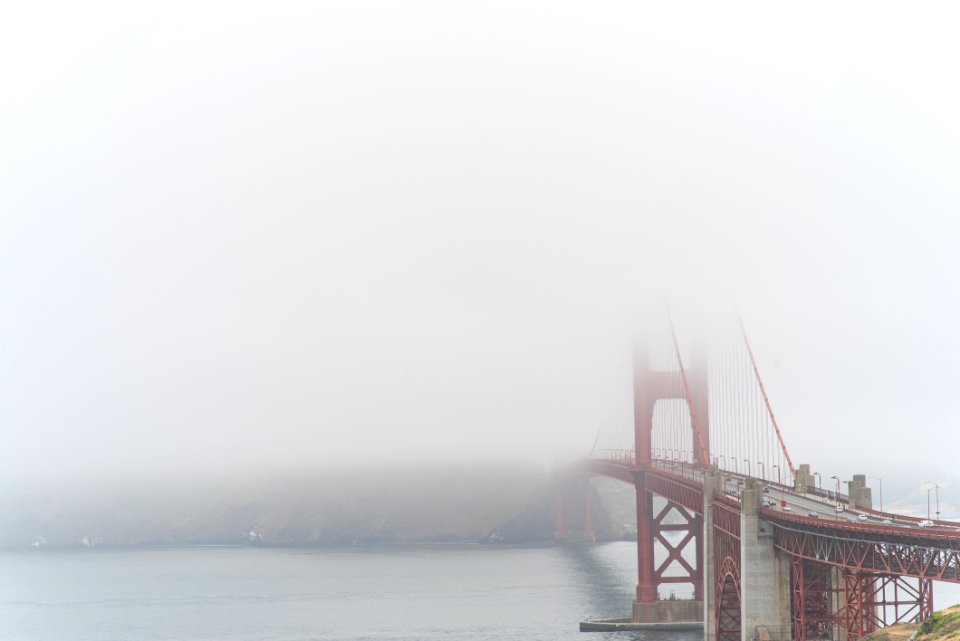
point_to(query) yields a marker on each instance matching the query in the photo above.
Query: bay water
(423, 592)
(298, 594)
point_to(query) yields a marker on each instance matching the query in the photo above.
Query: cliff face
(492, 504)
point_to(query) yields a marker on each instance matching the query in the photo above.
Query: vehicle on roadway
(813, 514)
(861, 517)
(839, 509)
(925, 523)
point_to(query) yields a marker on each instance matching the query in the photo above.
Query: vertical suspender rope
(686, 389)
(728, 412)
(741, 412)
(766, 400)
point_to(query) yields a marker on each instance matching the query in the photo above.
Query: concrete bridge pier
(838, 603)
(712, 482)
(765, 575)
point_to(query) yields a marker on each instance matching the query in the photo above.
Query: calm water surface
(234, 594)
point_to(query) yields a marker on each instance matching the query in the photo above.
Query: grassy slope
(944, 625)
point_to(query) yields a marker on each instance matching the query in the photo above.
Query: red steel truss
(900, 555)
(813, 598)
(675, 568)
(875, 601)
(684, 499)
(844, 586)
(682, 491)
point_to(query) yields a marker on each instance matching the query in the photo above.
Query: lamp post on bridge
(936, 489)
(734, 460)
(763, 474)
(723, 461)
(881, 490)
(749, 471)
(837, 496)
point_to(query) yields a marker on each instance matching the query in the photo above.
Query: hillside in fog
(475, 504)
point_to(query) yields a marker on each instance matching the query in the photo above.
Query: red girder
(873, 601)
(813, 596)
(691, 528)
(860, 550)
(679, 489)
(682, 491)
(726, 516)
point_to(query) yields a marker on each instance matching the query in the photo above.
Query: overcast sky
(270, 234)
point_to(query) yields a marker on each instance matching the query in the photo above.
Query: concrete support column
(860, 494)
(712, 482)
(838, 603)
(803, 478)
(764, 575)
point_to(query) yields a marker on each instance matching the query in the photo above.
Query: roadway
(783, 499)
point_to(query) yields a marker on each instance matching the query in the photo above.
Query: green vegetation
(943, 625)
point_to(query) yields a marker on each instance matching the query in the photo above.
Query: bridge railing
(617, 455)
(827, 494)
(686, 470)
(628, 457)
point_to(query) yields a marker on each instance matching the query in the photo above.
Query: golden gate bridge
(767, 553)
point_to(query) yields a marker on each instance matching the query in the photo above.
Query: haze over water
(486, 593)
(265, 240)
